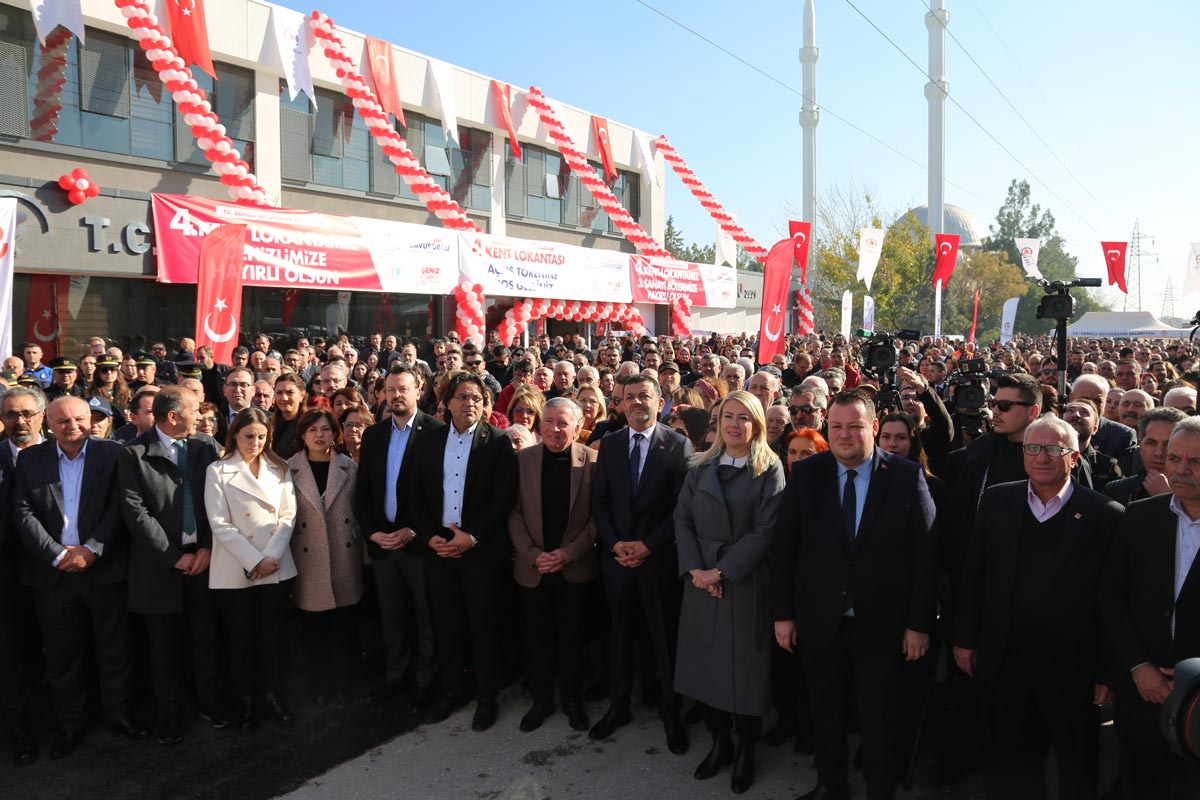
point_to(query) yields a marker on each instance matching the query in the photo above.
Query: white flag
(870, 247)
(868, 313)
(293, 40)
(1028, 248)
(49, 14)
(847, 310)
(1191, 279)
(75, 295)
(646, 155)
(726, 248)
(443, 89)
(1008, 319)
(8, 254)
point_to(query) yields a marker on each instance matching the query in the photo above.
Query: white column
(936, 91)
(810, 115)
(498, 221)
(268, 152)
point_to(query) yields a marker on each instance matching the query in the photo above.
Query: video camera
(879, 359)
(1181, 712)
(971, 382)
(1058, 304)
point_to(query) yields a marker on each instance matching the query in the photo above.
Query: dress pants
(554, 625)
(167, 648)
(646, 595)
(459, 588)
(255, 618)
(64, 611)
(19, 644)
(875, 671)
(1025, 714)
(330, 644)
(405, 617)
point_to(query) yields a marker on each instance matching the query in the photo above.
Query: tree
(680, 250)
(1020, 217)
(996, 278)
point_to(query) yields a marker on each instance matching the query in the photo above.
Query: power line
(1017, 111)
(786, 86)
(971, 117)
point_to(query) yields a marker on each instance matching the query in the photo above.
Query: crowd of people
(806, 542)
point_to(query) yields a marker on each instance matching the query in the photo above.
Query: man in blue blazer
(66, 514)
(854, 579)
(638, 475)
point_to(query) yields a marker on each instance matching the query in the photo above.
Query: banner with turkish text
(946, 258)
(870, 248)
(777, 276)
(44, 320)
(292, 40)
(868, 313)
(219, 291)
(1114, 257)
(847, 312)
(8, 255)
(1029, 249)
(527, 268)
(800, 232)
(189, 33)
(663, 280)
(503, 95)
(287, 248)
(383, 73)
(1008, 319)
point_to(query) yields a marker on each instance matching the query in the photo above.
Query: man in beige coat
(555, 539)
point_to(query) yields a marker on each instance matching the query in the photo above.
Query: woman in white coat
(251, 507)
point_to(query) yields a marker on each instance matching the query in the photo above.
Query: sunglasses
(472, 363)
(1007, 405)
(805, 409)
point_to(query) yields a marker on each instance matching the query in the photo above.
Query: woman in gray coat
(724, 523)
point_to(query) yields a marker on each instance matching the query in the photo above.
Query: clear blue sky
(1110, 87)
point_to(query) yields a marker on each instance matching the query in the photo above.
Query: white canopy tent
(1124, 325)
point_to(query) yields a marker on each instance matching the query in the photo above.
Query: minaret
(809, 115)
(936, 91)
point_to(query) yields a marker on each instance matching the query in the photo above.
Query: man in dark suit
(387, 460)
(1151, 610)
(1027, 623)
(855, 585)
(464, 487)
(639, 472)
(1154, 431)
(66, 513)
(161, 478)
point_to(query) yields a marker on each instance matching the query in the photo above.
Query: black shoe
(485, 716)
(535, 716)
(422, 700)
(170, 728)
(247, 718)
(279, 711)
(742, 777)
(65, 743)
(609, 723)
(577, 717)
(124, 724)
(720, 755)
(24, 752)
(215, 715)
(443, 707)
(823, 792)
(385, 692)
(677, 741)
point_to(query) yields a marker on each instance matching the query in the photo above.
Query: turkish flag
(43, 322)
(801, 232)
(605, 146)
(189, 33)
(947, 257)
(383, 72)
(503, 94)
(777, 274)
(1114, 256)
(219, 290)
(290, 298)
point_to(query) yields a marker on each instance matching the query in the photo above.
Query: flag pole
(937, 310)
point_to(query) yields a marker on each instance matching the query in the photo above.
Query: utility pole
(1136, 242)
(1168, 307)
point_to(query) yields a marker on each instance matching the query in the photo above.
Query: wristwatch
(474, 541)
(720, 574)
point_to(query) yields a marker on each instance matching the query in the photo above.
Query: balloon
(66, 183)
(92, 190)
(82, 184)
(79, 173)
(76, 197)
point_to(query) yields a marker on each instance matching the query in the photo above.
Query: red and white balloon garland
(78, 185)
(51, 76)
(681, 316)
(469, 319)
(431, 193)
(701, 192)
(189, 98)
(805, 323)
(530, 308)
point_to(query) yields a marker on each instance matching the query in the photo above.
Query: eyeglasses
(474, 399)
(1052, 450)
(13, 416)
(473, 363)
(208, 420)
(1006, 405)
(805, 409)
(244, 386)
(355, 426)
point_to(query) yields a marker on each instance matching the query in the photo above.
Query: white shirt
(397, 444)
(454, 473)
(1187, 544)
(643, 446)
(16, 451)
(1042, 512)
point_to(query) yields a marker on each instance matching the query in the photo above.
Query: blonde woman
(251, 507)
(724, 524)
(591, 400)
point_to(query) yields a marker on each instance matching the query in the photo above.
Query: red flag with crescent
(43, 322)
(1114, 257)
(189, 33)
(290, 298)
(383, 72)
(503, 94)
(947, 257)
(801, 232)
(219, 290)
(600, 124)
(777, 274)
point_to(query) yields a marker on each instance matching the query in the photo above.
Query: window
(232, 98)
(540, 186)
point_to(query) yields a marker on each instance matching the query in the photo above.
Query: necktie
(635, 462)
(850, 506)
(189, 513)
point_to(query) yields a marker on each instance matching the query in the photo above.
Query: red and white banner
(292, 42)
(664, 280)
(8, 254)
(801, 233)
(600, 125)
(528, 268)
(503, 94)
(777, 275)
(44, 320)
(1029, 249)
(1114, 257)
(189, 33)
(383, 73)
(870, 248)
(947, 258)
(286, 248)
(219, 292)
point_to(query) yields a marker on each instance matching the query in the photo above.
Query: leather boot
(742, 777)
(720, 755)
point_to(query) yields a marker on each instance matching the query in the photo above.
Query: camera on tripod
(971, 389)
(879, 358)
(1058, 304)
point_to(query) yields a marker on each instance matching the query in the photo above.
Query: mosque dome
(958, 220)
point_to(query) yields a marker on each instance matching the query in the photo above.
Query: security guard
(65, 379)
(147, 372)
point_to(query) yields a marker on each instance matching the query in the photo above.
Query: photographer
(933, 420)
